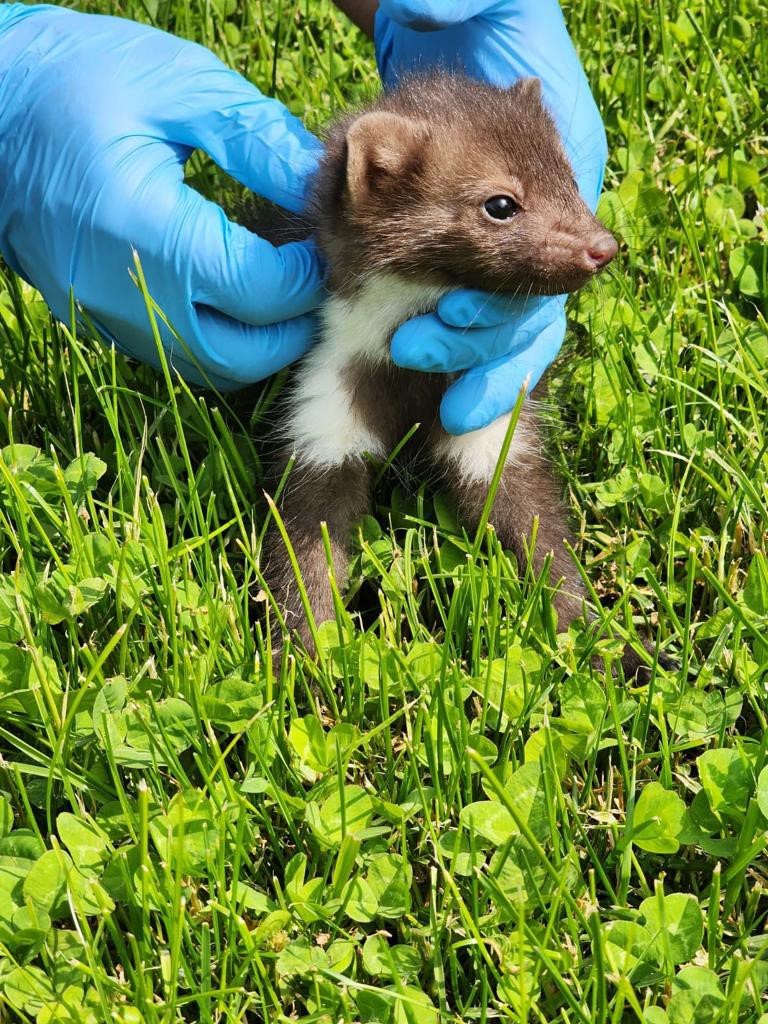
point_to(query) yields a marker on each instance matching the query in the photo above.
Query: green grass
(451, 816)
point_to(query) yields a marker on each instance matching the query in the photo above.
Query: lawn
(452, 815)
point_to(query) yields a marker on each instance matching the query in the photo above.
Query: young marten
(441, 183)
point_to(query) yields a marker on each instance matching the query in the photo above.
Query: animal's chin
(513, 284)
(563, 283)
(558, 284)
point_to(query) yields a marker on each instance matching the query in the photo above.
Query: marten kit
(441, 183)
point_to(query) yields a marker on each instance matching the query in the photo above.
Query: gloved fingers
(432, 15)
(250, 136)
(467, 307)
(491, 390)
(427, 343)
(241, 353)
(216, 351)
(243, 276)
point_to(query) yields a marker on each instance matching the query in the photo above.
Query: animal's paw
(635, 666)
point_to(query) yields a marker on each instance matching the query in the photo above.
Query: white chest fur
(323, 425)
(363, 325)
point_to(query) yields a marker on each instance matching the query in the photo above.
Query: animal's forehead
(517, 138)
(475, 132)
(473, 155)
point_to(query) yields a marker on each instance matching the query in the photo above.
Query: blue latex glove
(502, 344)
(97, 117)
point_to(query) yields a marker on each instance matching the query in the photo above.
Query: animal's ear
(381, 147)
(528, 88)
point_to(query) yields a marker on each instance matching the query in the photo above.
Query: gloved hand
(501, 344)
(97, 117)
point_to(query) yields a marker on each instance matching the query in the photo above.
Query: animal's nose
(602, 250)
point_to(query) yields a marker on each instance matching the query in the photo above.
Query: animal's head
(465, 182)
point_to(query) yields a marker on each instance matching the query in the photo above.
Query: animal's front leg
(329, 482)
(528, 490)
(337, 496)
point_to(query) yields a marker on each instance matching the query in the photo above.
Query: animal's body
(442, 183)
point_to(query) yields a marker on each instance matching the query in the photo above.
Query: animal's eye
(501, 207)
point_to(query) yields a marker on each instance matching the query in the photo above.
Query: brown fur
(391, 399)
(338, 497)
(401, 190)
(528, 491)
(431, 151)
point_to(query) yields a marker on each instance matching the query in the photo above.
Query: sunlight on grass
(451, 814)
